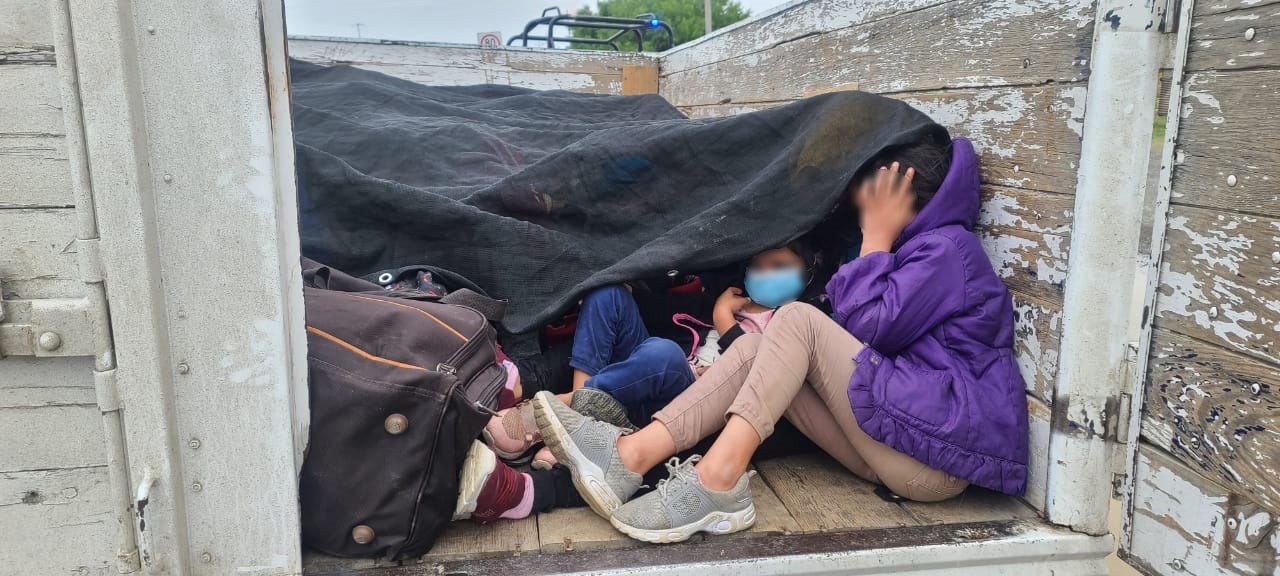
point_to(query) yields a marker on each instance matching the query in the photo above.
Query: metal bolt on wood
(168, 177)
(1256, 388)
(207, 558)
(193, 443)
(1213, 311)
(1178, 565)
(151, 29)
(50, 341)
(183, 368)
(1231, 180)
(1231, 523)
(1275, 257)
(1249, 34)
(196, 487)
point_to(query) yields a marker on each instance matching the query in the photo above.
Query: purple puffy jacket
(938, 380)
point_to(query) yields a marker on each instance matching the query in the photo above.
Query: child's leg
(800, 344)
(647, 380)
(609, 330)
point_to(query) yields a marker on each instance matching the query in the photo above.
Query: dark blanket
(541, 196)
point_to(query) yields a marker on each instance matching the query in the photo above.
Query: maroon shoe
(502, 491)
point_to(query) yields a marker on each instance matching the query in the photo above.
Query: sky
(431, 20)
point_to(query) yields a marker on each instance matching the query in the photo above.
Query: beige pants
(799, 368)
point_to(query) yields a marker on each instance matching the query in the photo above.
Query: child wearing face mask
(622, 375)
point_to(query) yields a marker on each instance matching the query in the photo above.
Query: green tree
(685, 17)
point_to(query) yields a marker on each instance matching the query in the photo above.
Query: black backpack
(401, 384)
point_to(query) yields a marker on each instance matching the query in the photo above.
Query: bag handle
(492, 309)
(677, 319)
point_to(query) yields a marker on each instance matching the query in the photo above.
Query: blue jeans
(614, 348)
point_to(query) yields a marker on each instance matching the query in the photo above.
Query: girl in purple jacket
(913, 385)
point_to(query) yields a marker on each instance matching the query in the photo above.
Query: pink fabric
(525, 506)
(684, 321)
(753, 322)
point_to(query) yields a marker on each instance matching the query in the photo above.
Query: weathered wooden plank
(1219, 278)
(30, 103)
(944, 46)
(772, 516)
(35, 171)
(1028, 137)
(1184, 524)
(570, 529)
(1216, 411)
(25, 23)
(974, 505)
(822, 496)
(1224, 159)
(445, 65)
(1038, 417)
(57, 522)
(37, 253)
(1032, 263)
(1220, 6)
(1222, 41)
(470, 540)
(787, 23)
(1028, 210)
(1037, 329)
(29, 382)
(51, 437)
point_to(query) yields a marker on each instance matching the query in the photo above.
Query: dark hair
(931, 158)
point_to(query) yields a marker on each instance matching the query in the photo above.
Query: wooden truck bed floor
(805, 503)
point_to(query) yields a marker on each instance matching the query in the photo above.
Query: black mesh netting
(540, 196)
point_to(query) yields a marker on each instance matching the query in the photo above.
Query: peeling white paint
(1204, 98)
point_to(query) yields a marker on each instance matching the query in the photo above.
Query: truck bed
(804, 504)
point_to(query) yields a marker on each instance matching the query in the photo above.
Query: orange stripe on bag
(353, 348)
(418, 310)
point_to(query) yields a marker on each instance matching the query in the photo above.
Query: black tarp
(539, 196)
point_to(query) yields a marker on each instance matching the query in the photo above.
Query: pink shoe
(513, 433)
(543, 460)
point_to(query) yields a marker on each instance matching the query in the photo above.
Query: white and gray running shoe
(589, 448)
(681, 506)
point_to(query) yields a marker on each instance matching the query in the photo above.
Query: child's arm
(888, 303)
(727, 305)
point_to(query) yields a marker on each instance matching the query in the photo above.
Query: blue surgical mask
(773, 288)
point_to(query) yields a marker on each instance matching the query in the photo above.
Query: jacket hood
(957, 199)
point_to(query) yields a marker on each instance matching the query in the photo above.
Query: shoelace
(679, 470)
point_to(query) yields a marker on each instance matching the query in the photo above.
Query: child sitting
(622, 375)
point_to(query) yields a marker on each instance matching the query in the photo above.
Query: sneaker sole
(713, 523)
(541, 465)
(588, 478)
(479, 464)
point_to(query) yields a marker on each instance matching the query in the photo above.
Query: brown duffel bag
(400, 385)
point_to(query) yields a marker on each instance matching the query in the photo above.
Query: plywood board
(470, 540)
(938, 47)
(57, 522)
(1222, 41)
(570, 529)
(1184, 524)
(1217, 412)
(1219, 278)
(47, 437)
(822, 496)
(639, 79)
(1222, 141)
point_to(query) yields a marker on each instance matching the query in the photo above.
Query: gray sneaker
(682, 506)
(600, 405)
(589, 448)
